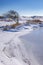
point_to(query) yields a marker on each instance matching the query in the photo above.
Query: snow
(12, 49)
(4, 23)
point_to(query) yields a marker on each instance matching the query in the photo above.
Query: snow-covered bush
(6, 28)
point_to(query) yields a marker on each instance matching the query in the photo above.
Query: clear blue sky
(23, 7)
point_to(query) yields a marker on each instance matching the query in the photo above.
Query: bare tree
(13, 15)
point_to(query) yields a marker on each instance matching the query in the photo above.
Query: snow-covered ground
(12, 49)
(4, 23)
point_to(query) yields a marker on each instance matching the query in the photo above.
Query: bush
(34, 21)
(14, 25)
(6, 28)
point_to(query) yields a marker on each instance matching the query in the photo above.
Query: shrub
(33, 21)
(6, 28)
(14, 25)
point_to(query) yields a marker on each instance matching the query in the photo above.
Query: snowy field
(12, 49)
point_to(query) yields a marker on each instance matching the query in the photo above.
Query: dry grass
(14, 25)
(7, 27)
(34, 21)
